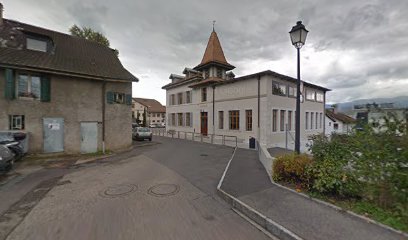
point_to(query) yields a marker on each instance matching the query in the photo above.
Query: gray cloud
(362, 44)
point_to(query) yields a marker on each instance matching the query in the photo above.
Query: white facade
(260, 105)
(241, 94)
(337, 126)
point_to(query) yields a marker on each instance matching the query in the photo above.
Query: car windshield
(143, 130)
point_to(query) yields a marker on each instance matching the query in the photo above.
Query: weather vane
(213, 25)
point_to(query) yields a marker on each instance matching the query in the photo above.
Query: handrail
(184, 134)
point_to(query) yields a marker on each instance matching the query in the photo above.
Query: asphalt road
(163, 191)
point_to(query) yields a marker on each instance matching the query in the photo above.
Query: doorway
(204, 123)
(89, 137)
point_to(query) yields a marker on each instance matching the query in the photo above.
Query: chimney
(1, 14)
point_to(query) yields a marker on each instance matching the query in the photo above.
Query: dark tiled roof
(153, 105)
(273, 74)
(206, 82)
(69, 56)
(181, 82)
(339, 117)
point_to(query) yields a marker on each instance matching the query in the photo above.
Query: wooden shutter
(109, 97)
(128, 99)
(9, 90)
(45, 89)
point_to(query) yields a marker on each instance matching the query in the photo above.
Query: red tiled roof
(339, 116)
(153, 105)
(214, 53)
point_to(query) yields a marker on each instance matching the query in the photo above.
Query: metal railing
(194, 136)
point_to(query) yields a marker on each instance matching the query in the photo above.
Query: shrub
(331, 172)
(292, 168)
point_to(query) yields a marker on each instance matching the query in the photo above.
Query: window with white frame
(29, 86)
(179, 98)
(279, 89)
(307, 120)
(292, 91)
(310, 95)
(319, 97)
(311, 120)
(180, 119)
(119, 98)
(188, 97)
(16, 122)
(289, 120)
(274, 120)
(188, 119)
(173, 119)
(282, 120)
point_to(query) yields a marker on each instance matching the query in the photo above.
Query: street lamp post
(298, 37)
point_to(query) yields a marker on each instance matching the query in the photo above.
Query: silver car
(6, 158)
(142, 133)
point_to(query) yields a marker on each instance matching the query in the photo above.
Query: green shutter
(10, 91)
(109, 97)
(45, 89)
(128, 99)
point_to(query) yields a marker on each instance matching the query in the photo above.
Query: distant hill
(399, 102)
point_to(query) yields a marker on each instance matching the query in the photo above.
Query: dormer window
(36, 45)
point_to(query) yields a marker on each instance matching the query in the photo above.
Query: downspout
(259, 109)
(103, 114)
(213, 113)
(324, 114)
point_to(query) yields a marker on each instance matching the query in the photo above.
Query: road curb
(261, 220)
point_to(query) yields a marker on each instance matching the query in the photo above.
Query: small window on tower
(206, 73)
(219, 72)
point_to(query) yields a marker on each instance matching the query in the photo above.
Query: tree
(138, 117)
(91, 35)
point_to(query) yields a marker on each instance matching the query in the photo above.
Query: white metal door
(89, 137)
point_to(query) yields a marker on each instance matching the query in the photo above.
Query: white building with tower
(209, 99)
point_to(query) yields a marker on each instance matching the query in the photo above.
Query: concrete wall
(75, 100)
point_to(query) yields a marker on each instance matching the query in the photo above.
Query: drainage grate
(164, 190)
(119, 190)
(204, 155)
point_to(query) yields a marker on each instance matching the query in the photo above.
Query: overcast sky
(357, 48)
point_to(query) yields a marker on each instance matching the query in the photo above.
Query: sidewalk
(247, 180)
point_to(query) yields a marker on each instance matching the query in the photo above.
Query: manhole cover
(204, 155)
(164, 190)
(119, 190)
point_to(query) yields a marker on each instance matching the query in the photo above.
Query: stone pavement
(247, 180)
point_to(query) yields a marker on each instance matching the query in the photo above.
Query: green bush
(330, 172)
(291, 168)
(371, 163)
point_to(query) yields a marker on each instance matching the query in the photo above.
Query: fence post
(201, 137)
(223, 139)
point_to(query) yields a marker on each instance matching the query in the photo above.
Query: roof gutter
(70, 74)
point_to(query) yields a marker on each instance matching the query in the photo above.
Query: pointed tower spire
(214, 55)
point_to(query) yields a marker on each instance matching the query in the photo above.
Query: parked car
(142, 133)
(7, 158)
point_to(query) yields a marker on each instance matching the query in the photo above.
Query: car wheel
(150, 139)
(10, 165)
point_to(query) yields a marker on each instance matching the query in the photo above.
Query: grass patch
(368, 209)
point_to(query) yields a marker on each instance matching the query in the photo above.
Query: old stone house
(209, 99)
(69, 94)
